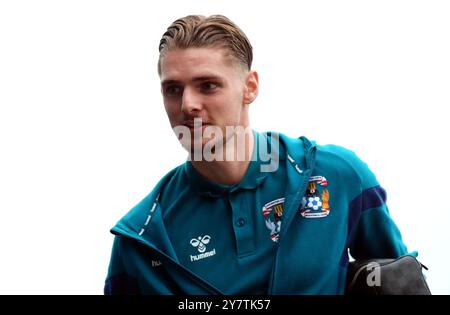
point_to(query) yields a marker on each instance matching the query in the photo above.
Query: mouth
(195, 124)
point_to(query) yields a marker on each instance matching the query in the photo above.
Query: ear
(251, 87)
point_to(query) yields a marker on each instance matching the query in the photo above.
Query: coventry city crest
(273, 212)
(315, 203)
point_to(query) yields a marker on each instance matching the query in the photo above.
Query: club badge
(273, 211)
(315, 203)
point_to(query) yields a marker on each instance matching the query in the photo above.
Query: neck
(231, 170)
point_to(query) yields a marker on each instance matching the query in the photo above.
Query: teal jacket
(333, 205)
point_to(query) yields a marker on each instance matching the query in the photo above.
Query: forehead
(184, 64)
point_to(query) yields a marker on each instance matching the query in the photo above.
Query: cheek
(171, 105)
(172, 110)
(230, 103)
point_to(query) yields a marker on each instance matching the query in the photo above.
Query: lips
(195, 124)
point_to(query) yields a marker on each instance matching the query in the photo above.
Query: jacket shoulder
(131, 221)
(347, 162)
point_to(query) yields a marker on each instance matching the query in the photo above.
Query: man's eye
(209, 86)
(172, 90)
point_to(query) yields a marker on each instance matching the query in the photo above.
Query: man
(236, 219)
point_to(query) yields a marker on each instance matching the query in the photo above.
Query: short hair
(197, 31)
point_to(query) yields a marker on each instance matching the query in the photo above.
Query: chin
(201, 146)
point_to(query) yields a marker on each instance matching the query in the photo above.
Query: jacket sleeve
(118, 281)
(372, 231)
(375, 233)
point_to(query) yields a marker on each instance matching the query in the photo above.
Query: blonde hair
(196, 31)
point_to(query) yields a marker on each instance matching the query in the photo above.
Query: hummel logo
(200, 243)
(156, 263)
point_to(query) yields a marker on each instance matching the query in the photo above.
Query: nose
(190, 102)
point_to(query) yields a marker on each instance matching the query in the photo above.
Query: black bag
(399, 276)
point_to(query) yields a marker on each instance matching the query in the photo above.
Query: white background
(84, 136)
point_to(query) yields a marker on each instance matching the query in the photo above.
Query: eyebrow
(196, 79)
